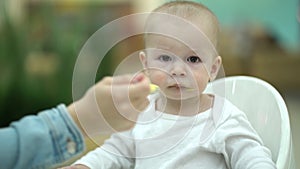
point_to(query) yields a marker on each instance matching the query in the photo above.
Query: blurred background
(41, 39)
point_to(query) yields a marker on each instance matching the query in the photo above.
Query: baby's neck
(187, 107)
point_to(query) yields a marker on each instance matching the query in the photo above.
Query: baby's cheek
(158, 77)
(201, 81)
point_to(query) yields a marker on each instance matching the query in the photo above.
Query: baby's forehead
(203, 25)
(186, 30)
(160, 21)
(168, 42)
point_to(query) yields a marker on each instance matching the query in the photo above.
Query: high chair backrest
(266, 111)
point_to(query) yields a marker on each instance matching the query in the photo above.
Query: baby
(182, 126)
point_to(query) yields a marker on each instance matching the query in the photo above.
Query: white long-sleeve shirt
(219, 138)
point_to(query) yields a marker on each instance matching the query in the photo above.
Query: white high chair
(265, 109)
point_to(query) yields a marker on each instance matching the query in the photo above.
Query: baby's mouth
(180, 87)
(177, 86)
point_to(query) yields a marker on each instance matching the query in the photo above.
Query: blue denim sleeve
(41, 141)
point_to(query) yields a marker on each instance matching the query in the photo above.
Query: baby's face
(179, 71)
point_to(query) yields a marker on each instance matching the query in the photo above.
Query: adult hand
(112, 104)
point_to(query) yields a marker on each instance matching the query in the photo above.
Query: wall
(278, 15)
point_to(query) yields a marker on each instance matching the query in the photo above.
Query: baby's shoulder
(225, 111)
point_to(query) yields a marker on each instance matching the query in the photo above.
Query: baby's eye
(165, 58)
(194, 59)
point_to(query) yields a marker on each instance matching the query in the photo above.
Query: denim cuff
(67, 140)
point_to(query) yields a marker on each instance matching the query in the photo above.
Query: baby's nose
(178, 69)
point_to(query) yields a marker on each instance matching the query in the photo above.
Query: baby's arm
(243, 148)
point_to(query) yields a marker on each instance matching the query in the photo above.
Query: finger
(122, 79)
(140, 89)
(141, 104)
(128, 78)
(107, 80)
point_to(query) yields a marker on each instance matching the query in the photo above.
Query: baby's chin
(182, 96)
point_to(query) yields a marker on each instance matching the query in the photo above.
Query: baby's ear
(215, 68)
(143, 59)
